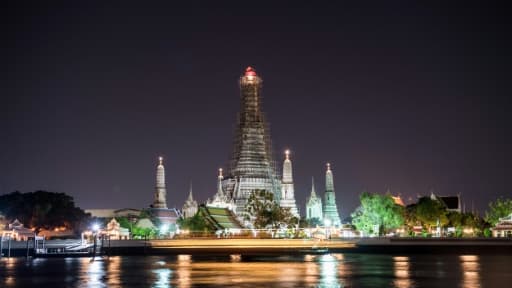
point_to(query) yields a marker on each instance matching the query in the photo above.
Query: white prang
(287, 186)
(160, 191)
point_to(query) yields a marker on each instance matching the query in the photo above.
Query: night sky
(401, 96)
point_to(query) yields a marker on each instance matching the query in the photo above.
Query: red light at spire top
(249, 71)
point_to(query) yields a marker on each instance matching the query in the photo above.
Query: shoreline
(269, 247)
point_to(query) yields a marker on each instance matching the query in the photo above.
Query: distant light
(327, 222)
(95, 227)
(164, 228)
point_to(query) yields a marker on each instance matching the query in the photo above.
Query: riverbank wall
(255, 247)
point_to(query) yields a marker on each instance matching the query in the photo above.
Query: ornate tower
(160, 191)
(314, 204)
(330, 207)
(220, 199)
(251, 166)
(287, 187)
(190, 206)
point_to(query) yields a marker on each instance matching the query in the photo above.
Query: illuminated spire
(314, 204)
(329, 183)
(287, 186)
(313, 192)
(160, 173)
(287, 168)
(219, 183)
(190, 198)
(330, 210)
(160, 191)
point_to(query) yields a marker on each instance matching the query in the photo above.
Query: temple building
(252, 167)
(115, 231)
(503, 228)
(221, 199)
(190, 207)
(330, 208)
(451, 203)
(314, 204)
(287, 187)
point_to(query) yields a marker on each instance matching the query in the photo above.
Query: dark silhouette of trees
(42, 209)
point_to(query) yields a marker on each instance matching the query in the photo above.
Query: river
(329, 270)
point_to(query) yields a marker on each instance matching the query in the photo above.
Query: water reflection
(470, 270)
(183, 271)
(163, 277)
(94, 271)
(114, 271)
(329, 271)
(10, 264)
(311, 275)
(401, 272)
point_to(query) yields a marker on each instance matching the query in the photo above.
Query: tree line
(379, 215)
(44, 210)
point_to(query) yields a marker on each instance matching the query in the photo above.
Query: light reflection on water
(401, 269)
(94, 269)
(329, 270)
(470, 270)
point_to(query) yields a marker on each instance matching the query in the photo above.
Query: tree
(430, 212)
(42, 209)
(377, 214)
(195, 223)
(264, 212)
(498, 209)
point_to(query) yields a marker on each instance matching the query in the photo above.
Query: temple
(330, 208)
(252, 167)
(221, 199)
(314, 204)
(190, 207)
(287, 187)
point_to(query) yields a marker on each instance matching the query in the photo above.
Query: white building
(190, 207)
(503, 228)
(314, 204)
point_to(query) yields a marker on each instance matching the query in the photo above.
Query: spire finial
(249, 71)
(160, 160)
(220, 173)
(287, 153)
(328, 166)
(190, 192)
